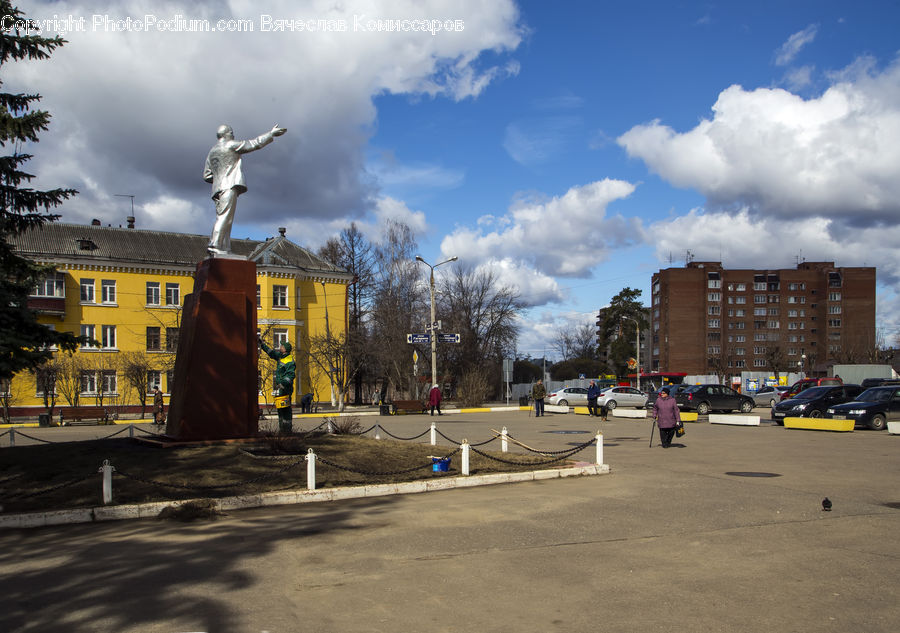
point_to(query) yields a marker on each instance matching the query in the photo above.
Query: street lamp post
(637, 352)
(433, 333)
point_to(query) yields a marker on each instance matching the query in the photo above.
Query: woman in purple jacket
(667, 417)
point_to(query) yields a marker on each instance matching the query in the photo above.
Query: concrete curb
(291, 497)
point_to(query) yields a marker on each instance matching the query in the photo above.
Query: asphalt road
(723, 532)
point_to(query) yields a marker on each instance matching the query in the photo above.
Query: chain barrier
(533, 450)
(38, 493)
(36, 439)
(6, 432)
(253, 480)
(452, 441)
(382, 474)
(405, 439)
(577, 449)
(368, 429)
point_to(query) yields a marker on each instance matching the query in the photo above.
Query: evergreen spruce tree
(24, 343)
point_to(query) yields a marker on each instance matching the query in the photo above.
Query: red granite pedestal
(214, 395)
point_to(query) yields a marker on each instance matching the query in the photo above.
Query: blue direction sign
(420, 339)
(448, 338)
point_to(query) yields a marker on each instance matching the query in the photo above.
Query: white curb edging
(290, 497)
(739, 420)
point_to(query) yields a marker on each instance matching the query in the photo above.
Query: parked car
(806, 383)
(568, 396)
(767, 396)
(813, 402)
(874, 407)
(877, 382)
(706, 398)
(672, 389)
(613, 397)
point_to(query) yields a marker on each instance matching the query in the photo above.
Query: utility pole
(433, 320)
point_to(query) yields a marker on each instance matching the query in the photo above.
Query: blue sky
(573, 147)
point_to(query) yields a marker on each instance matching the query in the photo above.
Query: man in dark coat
(592, 395)
(284, 381)
(667, 417)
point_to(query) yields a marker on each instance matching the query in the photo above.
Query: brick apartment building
(705, 317)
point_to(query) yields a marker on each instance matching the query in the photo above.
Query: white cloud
(136, 112)
(535, 141)
(534, 288)
(782, 156)
(562, 236)
(789, 50)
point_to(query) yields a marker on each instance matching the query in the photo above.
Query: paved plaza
(724, 532)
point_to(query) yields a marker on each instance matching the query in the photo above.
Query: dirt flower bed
(63, 476)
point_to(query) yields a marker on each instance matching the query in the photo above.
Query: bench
(408, 405)
(72, 415)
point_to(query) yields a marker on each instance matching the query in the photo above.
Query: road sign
(433, 326)
(415, 357)
(419, 339)
(448, 338)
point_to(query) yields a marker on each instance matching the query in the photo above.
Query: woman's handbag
(679, 428)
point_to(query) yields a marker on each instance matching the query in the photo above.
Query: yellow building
(125, 289)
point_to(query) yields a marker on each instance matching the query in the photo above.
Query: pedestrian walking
(159, 413)
(593, 393)
(666, 416)
(434, 399)
(538, 392)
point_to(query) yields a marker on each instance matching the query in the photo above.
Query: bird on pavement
(826, 504)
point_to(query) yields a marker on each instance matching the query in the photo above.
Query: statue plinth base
(214, 395)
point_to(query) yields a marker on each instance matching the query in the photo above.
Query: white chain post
(433, 434)
(12, 437)
(377, 431)
(310, 470)
(599, 438)
(504, 441)
(465, 457)
(330, 427)
(130, 430)
(107, 471)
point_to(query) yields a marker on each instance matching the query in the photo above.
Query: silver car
(568, 396)
(613, 397)
(769, 395)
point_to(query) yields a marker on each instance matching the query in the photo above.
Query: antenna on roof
(688, 257)
(130, 217)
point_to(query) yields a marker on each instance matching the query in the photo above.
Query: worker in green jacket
(285, 371)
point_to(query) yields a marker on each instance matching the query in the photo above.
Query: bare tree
(562, 342)
(584, 342)
(398, 297)
(10, 392)
(483, 312)
(136, 367)
(45, 378)
(777, 360)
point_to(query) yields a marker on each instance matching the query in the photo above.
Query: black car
(874, 408)
(813, 402)
(706, 398)
(672, 389)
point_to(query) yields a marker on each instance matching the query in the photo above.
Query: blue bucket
(440, 464)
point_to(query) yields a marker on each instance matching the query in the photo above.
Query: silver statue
(223, 170)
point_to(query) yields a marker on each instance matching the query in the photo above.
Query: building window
(170, 380)
(759, 312)
(152, 293)
(154, 380)
(258, 297)
(108, 340)
(740, 338)
(88, 331)
(797, 286)
(154, 342)
(759, 362)
(108, 291)
(713, 323)
(739, 351)
(759, 298)
(836, 309)
(172, 339)
(713, 349)
(714, 296)
(834, 296)
(54, 285)
(279, 296)
(759, 349)
(109, 382)
(88, 382)
(834, 323)
(714, 310)
(87, 291)
(173, 294)
(279, 336)
(774, 298)
(740, 363)
(773, 311)
(759, 285)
